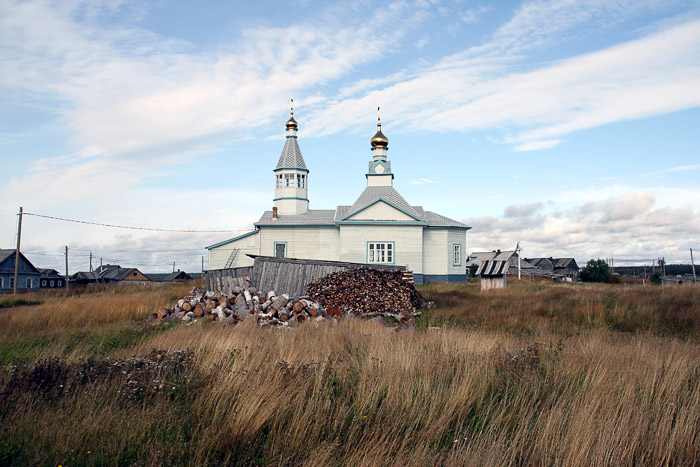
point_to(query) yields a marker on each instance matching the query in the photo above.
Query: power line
(131, 227)
(136, 251)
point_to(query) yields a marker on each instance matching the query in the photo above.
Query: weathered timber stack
(366, 292)
(203, 304)
(356, 292)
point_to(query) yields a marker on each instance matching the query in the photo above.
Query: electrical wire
(132, 227)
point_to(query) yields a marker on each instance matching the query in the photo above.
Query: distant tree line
(598, 270)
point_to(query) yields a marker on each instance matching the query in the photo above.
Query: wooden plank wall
(223, 280)
(291, 276)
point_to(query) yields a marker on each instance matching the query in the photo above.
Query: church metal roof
(436, 220)
(388, 194)
(291, 157)
(313, 216)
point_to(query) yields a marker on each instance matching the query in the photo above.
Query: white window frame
(381, 252)
(43, 282)
(456, 254)
(51, 283)
(60, 283)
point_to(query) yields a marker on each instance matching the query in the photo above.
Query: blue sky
(571, 127)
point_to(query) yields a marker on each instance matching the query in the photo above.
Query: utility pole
(664, 263)
(173, 266)
(692, 264)
(203, 261)
(66, 267)
(91, 261)
(19, 237)
(517, 251)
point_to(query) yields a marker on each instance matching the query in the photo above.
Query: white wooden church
(380, 227)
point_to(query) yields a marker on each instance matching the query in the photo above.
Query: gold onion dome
(379, 140)
(291, 123)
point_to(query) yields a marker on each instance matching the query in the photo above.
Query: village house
(379, 228)
(51, 279)
(122, 276)
(558, 269)
(28, 276)
(566, 267)
(177, 276)
(110, 274)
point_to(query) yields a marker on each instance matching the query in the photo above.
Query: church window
(380, 252)
(303, 181)
(280, 249)
(280, 181)
(457, 254)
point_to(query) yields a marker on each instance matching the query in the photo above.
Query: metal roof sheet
(388, 194)
(291, 157)
(313, 216)
(437, 220)
(492, 268)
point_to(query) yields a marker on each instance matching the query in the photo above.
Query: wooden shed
(493, 274)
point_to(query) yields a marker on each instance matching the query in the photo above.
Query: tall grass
(81, 322)
(357, 394)
(564, 308)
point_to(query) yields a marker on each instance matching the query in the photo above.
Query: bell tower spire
(291, 174)
(379, 173)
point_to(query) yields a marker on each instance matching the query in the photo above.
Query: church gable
(380, 211)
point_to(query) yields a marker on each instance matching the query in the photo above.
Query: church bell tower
(291, 175)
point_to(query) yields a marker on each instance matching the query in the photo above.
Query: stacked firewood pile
(242, 303)
(366, 292)
(362, 292)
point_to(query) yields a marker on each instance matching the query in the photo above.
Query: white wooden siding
(308, 242)
(434, 252)
(218, 257)
(408, 243)
(456, 236)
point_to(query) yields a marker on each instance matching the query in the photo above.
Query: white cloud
(633, 225)
(421, 181)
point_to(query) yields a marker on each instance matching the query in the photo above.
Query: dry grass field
(539, 374)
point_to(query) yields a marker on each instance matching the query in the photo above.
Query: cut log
(186, 306)
(280, 303)
(298, 306)
(334, 312)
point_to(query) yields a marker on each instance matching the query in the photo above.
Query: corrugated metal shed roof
(476, 257)
(291, 157)
(492, 268)
(556, 262)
